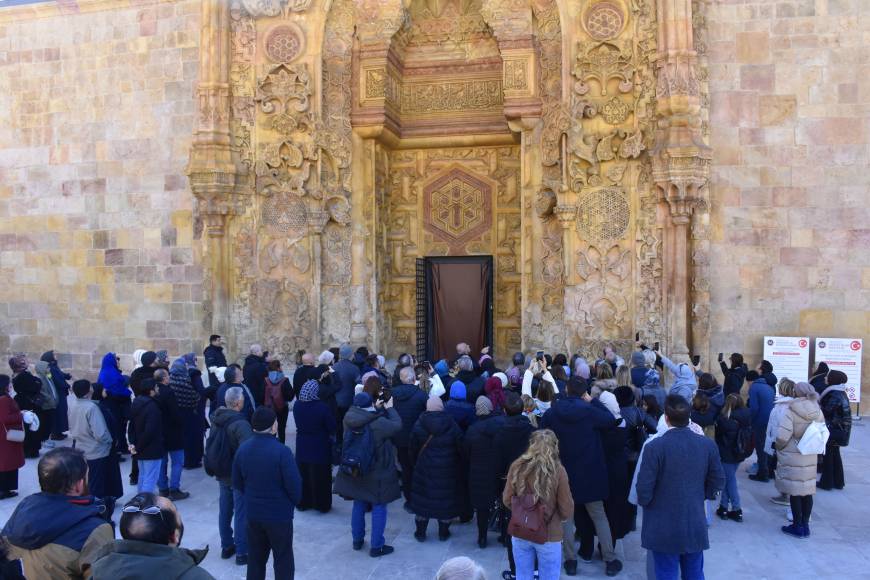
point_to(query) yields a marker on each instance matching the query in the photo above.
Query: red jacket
(11, 453)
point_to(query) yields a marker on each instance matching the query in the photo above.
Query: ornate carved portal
(336, 146)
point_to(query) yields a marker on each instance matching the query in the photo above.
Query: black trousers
(120, 407)
(276, 537)
(282, 424)
(801, 509)
(404, 456)
(8, 480)
(482, 522)
(316, 486)
(832, 468)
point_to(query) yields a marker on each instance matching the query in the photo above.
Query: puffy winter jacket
(436, 490)
(796, 472)
(410, 402)
(838, 415)
(479, 451)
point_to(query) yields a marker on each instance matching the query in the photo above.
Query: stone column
(212, 169)
(680, 160)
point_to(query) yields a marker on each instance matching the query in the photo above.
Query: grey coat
(680, 469)
(381, 484)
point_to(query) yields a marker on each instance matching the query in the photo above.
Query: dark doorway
(454, 304)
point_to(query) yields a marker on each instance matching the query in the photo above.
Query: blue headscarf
(309, 391)
(457, 390)
(111, 378)
(441, 368)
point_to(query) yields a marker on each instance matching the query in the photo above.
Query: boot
(481, 541)
(420, 534)
(443, 531)
(736, 515)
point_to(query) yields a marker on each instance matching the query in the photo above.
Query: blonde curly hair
(537, 470)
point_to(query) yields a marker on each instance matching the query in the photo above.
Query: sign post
(843, 354)
(789, 355)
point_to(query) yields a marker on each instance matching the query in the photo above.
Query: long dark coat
(381, 484)
(479, 451)
(576, 423)
(616, 506)
(511, 442)
(436, 490)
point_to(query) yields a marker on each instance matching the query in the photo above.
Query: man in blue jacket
(761, 395)
(348, 376)
(265, 472)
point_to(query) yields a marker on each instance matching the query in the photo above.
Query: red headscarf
(495, 392)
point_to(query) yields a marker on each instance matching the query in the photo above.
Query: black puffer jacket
(474, 384)
(410, 402)
(838, 416)
(479, 451)
(436, 490)
(726, 433)
(734, 378)
(27, 391)
(511, 442)
(634, 416)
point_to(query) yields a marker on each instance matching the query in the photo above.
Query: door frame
(425, 317)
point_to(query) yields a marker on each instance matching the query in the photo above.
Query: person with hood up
(458, 406)
(117, 393)
(479, 453)
(11, 452)
(187, 400)
(784, 396)
(640, 371)
(380, 485)
(685, 381)
(315, 427)
(194, 432)
(49, 402)
(61, 385)
(279, 394)
(735, 375)
(28, 397)
(734, 417)
(838, 416)
(214, 358)
(765, 369)
(437, 491)
(818, 379)
(796, 474)
(493, 388)
(409, 402)
(255, 371)
(58, 532)
(147, 364)
(760, 405)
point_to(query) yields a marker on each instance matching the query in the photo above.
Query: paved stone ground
(754, 549)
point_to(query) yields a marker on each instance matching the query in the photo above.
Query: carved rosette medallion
(457, 207)
(604, 20)
(284, 43)
(603, 214)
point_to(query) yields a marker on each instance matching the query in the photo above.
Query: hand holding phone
(696, 360)
(721, 357)
(636, 337)
(656, 346)
(539, 355)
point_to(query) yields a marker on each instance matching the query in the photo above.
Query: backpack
(358, 450)
(218, 458)
(637, 436)
(528, 519)
(274, 395)
(744, 443)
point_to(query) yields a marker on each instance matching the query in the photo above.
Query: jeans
(276, 537)
(679, 566)
(149, 473)
(174, 480)
(730, 493)
(358, 522)
(760, 454)
(232, 513)
(549, 559)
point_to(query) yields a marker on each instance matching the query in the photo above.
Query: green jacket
(135, 560)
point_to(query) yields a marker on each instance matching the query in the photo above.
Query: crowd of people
(553, 455)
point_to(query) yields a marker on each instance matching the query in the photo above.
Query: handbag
(527, 519)
(814, 439)
(14, 435)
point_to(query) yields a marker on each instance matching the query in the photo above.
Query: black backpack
(218, 458)
(744, 443)
(358, 450)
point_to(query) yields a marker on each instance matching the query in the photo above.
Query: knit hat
(837, 378)
(434, 404)
(457, 390)
(483, 406)
(345, 352)
(441, 368)
(608, 399)
(803, 389)
(309, 391)
(18, 363)
(148, 358)
(637, 359)
(326, 358)
(362, 400)
(503, 378)
(263, 419)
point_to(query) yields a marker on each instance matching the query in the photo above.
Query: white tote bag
(814, 439)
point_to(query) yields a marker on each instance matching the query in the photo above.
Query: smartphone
(696, 360)
(636, 337)
(721, 357)
(656, 346)
(540, 355)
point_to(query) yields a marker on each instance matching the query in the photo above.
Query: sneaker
(613, 567)
(736, 515)
(382, 551)
(242, 560)
(227, 553)
(178, 495)
(358, 544)
(722, 512)
(794, 531)
(781, 499)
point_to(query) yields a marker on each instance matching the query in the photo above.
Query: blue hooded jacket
(685, 382)
(457, 407)
(48, 518)
(111, 378)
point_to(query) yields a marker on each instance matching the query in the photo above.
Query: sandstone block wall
(790, 130)
(96, 116)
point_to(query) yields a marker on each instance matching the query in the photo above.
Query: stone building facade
(272, 170)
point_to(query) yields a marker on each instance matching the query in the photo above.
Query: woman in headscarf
(278, 394)
(494, 389)
(28, 397)
(613, 441)
(49, 402)
(194, 425)
(482, 462)
(11, 452)
(315, 427)
(117, 395)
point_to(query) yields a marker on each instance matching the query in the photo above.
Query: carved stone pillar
(680, 160)
(212, 170)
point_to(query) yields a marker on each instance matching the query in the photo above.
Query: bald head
(308, 359)
(164, 528)
(407, 375)
(463, 348)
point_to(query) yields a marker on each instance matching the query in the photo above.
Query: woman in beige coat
(796, 472)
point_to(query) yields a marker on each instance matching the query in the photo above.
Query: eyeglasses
(151, 510)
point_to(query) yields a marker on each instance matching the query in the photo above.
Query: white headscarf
(137, 357)
(608, 399)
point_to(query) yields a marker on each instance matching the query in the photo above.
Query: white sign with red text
(789, 355)
(843, 354)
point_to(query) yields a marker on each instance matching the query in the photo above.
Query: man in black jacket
(347, 374)
(306, 372)
(734, 376)
(410, 402)
(146, 435)
(173, 439)
(255, 372)
(473, 382)
(233, 376)
(214, 356)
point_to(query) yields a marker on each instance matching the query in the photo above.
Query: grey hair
(256, 349)
(160, 374)
(233, 396)
(407, 375)
(465, 363)
(325, 358)
(460, 568)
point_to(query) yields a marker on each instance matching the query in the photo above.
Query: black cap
(263, 419)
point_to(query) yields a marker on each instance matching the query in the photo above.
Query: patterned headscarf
(18, 363)
(179, 381)
(309, 391)
(483, 406)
